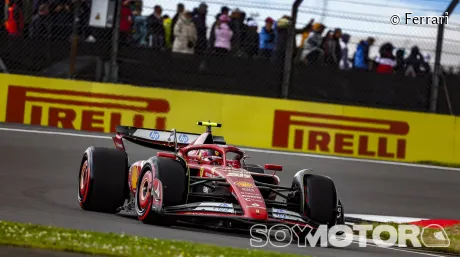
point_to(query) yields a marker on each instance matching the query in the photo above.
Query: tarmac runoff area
(39, 177)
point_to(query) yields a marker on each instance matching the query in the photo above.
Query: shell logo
(134, 177)
(244, 184)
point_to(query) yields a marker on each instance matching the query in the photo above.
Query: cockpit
(230, 157)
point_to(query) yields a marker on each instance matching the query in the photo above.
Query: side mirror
(273, 167)
(166, 155)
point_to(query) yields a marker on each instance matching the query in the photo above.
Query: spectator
(180, 10)
(386, 61)
(361, 59)
(140, 28)
(239, 30)
(167, 24)
(426, 66)
(224, 34)
(251, 43)
(267, 38)
(400, 63)
(156, 31)
(126, 22)
(62, 20)
(14, 18)
(212, 38)
(40, 27)
(37, 4)
(344, 62)
(185, 34)
(331, 47)
(282, 34)
(312, 52)
(415, 63)
(304, 32)
(199, 18)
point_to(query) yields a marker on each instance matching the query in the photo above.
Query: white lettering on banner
(260, 235)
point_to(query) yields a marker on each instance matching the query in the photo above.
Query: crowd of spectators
(232, 33)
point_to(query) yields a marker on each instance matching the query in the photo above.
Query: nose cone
(256, 212)
(251, 200)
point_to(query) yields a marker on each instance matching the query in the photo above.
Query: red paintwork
(273, 167)
(241, 181)
(166, 155)
(85, 177)
(118, 141)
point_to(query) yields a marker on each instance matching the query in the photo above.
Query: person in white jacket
(185, 36)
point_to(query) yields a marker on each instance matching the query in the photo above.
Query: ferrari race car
(199, 178)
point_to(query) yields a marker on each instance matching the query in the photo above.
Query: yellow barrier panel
(247, 121)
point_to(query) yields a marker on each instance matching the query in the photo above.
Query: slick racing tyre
(102, 179)
(321, 199)
(320, 202)
(164, 184)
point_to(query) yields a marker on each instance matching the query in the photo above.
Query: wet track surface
(39, 176)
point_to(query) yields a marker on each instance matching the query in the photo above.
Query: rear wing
(153, 138)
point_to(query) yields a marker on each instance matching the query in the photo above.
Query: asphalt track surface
(39, 176)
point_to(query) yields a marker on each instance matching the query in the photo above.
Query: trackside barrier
(247, 121)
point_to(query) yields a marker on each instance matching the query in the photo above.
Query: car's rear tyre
(102, 179)
(171, 176)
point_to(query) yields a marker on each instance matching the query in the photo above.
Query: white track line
(252, 150)
(357, 239)
(380, 218)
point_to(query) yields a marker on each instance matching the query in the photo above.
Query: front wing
(228, 211)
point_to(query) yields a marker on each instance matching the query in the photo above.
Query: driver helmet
(209, 153)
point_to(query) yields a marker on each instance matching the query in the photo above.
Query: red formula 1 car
(199, 178)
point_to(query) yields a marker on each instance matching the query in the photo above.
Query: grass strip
(442, 164)
(453, 233)
(110, 244)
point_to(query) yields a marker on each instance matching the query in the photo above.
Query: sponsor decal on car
(154, 135)
(252, 196)
(238, 175)
(215, 207)
(224, 207)
(183, 138)
(244, 184)
(201, 171)
(134, 176)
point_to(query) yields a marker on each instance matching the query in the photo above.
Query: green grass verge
(109, 244)
(442, 164)
(453, 232)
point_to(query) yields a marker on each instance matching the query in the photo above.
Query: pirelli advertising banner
(247, 121)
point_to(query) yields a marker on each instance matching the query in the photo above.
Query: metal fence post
(289, 58)
(113, 67)
(437, 63)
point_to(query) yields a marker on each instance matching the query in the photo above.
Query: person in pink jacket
(223, 34)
